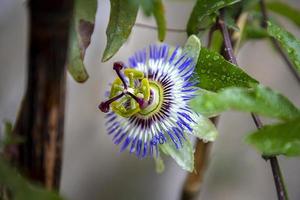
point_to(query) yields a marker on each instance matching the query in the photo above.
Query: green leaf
(192, 47)
(184, 156)
(122, 18)
(80, 38)
(259, 99)
(78, 46)
(155, 8)
(285, 10)
(20, 188)
(279, 139)
(289, 43)
(215, 73)
(204, 12)
(146, 5)
(159, 15)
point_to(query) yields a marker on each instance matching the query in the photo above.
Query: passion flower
(148, 103)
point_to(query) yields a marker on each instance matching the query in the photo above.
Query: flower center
(133, 94)
(155, 101)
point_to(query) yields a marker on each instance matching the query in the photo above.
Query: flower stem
(278, 179)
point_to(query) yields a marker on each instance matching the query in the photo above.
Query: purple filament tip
(104, 106)
(117, 67)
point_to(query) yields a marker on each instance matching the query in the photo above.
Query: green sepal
(183, 156)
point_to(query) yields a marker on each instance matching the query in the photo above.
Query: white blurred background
(93, 169)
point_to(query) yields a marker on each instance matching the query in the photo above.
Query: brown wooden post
(41, 119)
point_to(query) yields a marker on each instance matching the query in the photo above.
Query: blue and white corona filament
(149, 101)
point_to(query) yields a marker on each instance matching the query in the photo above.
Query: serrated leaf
(184, 156)
(122, 18)
(20, 188)
(204, 9)
(289, 43)
(259, 99)
(213, 72)
(285, 10)
(81, 32)
(192, 47)
(279, 139)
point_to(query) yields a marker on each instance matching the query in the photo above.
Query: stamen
(104, 106)
(140, 101)
(117, 67)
